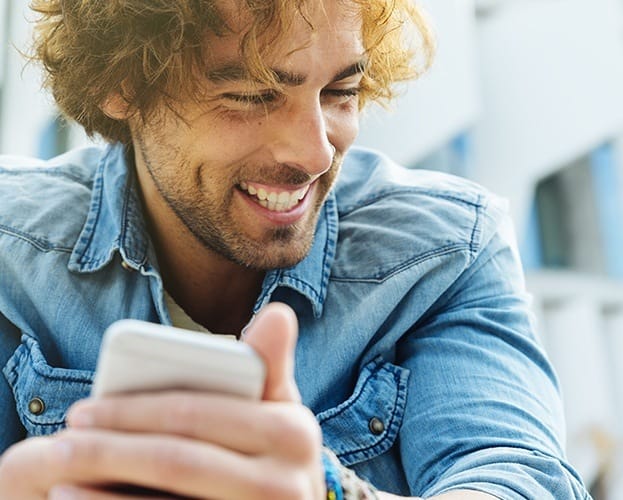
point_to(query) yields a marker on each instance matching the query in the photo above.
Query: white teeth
(273, 200)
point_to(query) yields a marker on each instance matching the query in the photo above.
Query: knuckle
(183, 415)
(71, 451)
(290, 487)
(296, 434)
(170, 464)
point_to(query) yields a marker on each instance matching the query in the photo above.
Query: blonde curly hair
(91, 49)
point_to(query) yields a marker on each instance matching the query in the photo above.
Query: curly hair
(91, 49)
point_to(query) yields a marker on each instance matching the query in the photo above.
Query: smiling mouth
(275, 200)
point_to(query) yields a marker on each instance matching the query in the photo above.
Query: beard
(279, 248)
(210, 216)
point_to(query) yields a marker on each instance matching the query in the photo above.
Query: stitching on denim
(475, 230)
(15, 360)
(25, 358)
(303, 285)
(356, 395)
(330, 244)
(438, 252)
(128, 211)
(385, 440)
(91, 224)
(18, 360)
(47, 171)
(124, 209)
(397, 408)
(69, 376)
(39, 244)
(385, 193)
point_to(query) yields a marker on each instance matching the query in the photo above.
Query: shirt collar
(310, 277)
(115, 223)
(115, 220)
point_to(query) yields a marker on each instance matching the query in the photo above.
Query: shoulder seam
(416, 260)
(474, 242)
(47, 171)
(38, 243)
(410, 190)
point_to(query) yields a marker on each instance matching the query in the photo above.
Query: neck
(213, 291)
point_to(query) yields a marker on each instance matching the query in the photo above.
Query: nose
(302, 139)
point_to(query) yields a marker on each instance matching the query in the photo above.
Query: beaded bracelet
(332, 477)
(343, 483)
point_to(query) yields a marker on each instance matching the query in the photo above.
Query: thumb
(273, 333)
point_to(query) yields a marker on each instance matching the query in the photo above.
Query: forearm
(451, 495)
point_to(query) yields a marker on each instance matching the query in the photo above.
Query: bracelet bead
(332, 477)
(342, 483)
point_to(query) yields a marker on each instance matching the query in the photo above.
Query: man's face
(247, 170)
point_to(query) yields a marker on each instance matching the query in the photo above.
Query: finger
(174, 465)
(67, 491)
(273, 335)
(25, 469)
(114, 492)
(248, 427)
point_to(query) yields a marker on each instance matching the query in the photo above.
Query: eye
(340, 96)
(253, 99)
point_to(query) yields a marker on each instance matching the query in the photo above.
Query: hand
(185, 444)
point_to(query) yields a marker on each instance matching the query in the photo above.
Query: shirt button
(126, 266)
(376, 426)
(36, 406)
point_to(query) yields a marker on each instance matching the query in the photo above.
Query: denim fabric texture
(417, 350)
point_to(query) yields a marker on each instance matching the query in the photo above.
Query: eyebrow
(233, 72)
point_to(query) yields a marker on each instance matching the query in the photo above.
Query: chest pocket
(43, 393)
(367, 423)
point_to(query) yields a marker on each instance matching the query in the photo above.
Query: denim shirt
(417, 351)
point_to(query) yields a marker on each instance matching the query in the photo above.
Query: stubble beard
(211, 223)
(281, 247)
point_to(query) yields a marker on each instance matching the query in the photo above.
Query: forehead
(314, 29)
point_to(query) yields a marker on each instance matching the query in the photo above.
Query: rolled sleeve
(513, 474)
(484, 410)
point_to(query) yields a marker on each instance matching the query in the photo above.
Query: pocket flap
(43, 393)
(367, 424)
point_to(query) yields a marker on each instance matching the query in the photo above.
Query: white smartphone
(138, 356)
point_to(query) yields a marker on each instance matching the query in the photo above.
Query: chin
(274, 256)
(267, 263)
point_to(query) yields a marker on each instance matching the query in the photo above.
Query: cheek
(344, 127)
(230, 140)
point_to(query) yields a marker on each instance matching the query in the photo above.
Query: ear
(116, 106)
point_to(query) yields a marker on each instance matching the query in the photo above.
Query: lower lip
(286, 217)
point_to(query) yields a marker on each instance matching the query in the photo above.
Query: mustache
(280, 174)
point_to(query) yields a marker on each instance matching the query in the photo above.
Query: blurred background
(525, 97)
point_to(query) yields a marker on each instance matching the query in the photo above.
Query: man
(229, 124)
